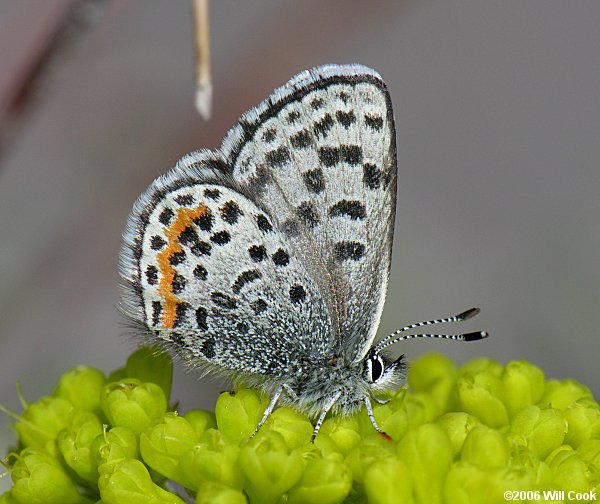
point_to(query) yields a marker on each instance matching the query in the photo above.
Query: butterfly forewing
(319, 154)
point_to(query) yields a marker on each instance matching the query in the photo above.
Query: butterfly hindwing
(214, 280)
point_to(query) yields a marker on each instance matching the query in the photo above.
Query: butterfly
(268, 259)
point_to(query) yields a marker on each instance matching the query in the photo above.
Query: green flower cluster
(460, 435)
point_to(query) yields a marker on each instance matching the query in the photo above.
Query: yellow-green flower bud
(128, 481)
(479, 394)
(215, 493)
(523, 385)
(133, 404)
(342, 431)
(294, 426)
(428, 453)
(82, 387)
(371, 450)
(570, 472)
(485, 448)
(200, 420)
(212, 459)
(269, 472)
(457, 426)
(561, 394)
(435, 376)
(543, 429)
(238, 413)
(583, 418)
(322, 482)
(389, 481)
(151, 364)
(40, 423)
(116, 444)
(468, 484)
(75, 442)
(589, 451)
(7, 498)
(163, 445)
(40, 479)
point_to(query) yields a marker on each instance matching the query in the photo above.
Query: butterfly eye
(374, 368)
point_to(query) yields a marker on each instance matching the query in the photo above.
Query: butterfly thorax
(315, 385)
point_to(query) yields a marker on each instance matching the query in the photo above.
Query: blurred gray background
(498, 120)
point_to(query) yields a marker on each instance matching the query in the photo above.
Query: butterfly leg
(290, 391)
(269, 410)
(330, 402)
(372, 417)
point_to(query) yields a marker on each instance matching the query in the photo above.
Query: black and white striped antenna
(461, 317)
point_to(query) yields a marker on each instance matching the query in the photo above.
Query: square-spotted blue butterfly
(268, 259)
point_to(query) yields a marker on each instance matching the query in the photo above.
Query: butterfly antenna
(461, 317)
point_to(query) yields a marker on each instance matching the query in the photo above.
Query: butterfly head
(382, 372)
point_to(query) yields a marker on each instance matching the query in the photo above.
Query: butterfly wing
(207, 273)
(320, 154)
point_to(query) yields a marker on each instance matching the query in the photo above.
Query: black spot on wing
(353, 209)
(178, 283)
(263, 223)
(176, 338)
(301, 140)
(307, 214)
(258, 306)
(372, 176)
(297, 293)
(281, 258)
(205, 221)
(208, 348)
(213, 194)
(245, 278)
(180, 314)
(156, 312)
(344, 96)
(374, 122)
(201, 248)
(257, 253)
(230, 212)
(330, 156)
(269, 135)
(314, 180)
(202, 318)
(200, 272)
(177, 258)
(165, 216)
(188, 236)
(157, 243)
(317, 103)
(322, 127)
(346, 119)
(351, 154)
(278, 157)
(223, 300)
(185, 199)
(293, 117)
(152, 275)
(349, 250)
(221, 238)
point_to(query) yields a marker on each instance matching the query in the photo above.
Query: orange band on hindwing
(185, 217)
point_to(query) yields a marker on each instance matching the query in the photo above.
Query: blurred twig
(202, 42)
